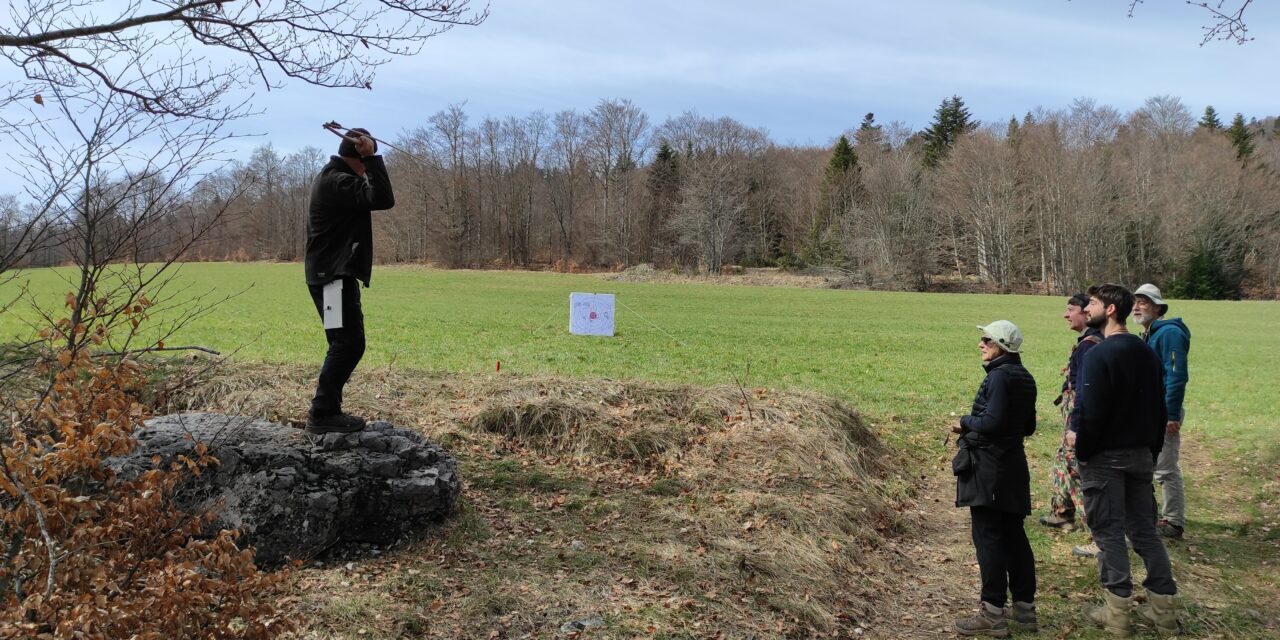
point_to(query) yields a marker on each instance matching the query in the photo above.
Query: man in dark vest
(1066, 501)
(1120, 426)
(339, 258)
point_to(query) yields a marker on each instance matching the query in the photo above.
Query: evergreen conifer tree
(869, 134)
(949, 123)
(1210, 120)
(841, 187)
(1240, 137)
(663, 185)
(843, 160)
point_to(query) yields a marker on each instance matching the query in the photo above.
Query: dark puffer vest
(991, 466)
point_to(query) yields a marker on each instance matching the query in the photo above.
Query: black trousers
(1004, 556)
(346, 347)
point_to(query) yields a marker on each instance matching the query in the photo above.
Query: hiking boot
(336, 423)
(1022, 614)
(1090, 550)
(1056, 521)
(989, 621)
(1161, 612)
(1169, 530)
(1113, 615)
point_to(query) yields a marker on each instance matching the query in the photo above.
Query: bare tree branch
(1225, 25)
(330, 43)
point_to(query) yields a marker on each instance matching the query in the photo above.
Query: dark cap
(347, 149)
(1080, 300)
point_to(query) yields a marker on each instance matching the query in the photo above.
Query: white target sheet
(591, 314)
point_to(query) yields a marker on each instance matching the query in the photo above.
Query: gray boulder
(292, 494)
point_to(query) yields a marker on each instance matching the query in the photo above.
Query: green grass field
(907, 361)
(898, 357)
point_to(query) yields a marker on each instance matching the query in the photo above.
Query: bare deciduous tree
(617, 139)
(183, 56)
(714, 202)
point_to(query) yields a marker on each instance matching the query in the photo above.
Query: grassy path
(1227, 567)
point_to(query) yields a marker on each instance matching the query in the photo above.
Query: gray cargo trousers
(1169, 476)
(1117, 487)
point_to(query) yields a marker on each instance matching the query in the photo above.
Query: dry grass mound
(661, 509)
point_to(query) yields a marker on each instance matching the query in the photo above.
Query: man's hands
(956, 428)
(1070, 438)
(1173, 427)
(364, 144)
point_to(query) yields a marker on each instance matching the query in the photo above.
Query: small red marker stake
(498, 367)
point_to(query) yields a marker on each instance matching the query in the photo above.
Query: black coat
(991, 466)
(339, 224)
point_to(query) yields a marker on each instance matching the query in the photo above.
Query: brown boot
(1161, 612)
(1022, 615)
(989, 621)
(1113, 615)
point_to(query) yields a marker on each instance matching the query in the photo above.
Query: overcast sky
(804, 74)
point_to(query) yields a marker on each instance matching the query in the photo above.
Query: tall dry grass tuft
(787, 497)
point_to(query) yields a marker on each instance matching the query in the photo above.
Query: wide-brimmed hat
(1152, 293)
(1004, 333)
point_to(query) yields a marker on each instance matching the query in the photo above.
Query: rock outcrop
(292, 494)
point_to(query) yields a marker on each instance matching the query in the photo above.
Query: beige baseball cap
(1005, 333)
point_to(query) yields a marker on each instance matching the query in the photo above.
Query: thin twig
(151, 349)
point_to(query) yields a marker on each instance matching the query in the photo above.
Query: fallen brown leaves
(92, 555)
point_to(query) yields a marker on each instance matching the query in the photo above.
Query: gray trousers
(1169, 476)
(1117, 499)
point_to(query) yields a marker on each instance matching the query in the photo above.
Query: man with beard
(1171, 340)
(1120, 427)
(1066, 501)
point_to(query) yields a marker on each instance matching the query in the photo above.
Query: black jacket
(339, 224)
(991, 466)
(1121, 398)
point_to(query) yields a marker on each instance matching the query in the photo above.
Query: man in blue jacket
(339, 258)
(1171, 340)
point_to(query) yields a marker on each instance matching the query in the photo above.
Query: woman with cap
(993, 481)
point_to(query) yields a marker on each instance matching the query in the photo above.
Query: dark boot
(989, 621)
(1022, 615)
(1056, 521)
(336, 423)
(1169, 530)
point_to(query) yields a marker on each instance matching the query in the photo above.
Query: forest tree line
(1046, 202)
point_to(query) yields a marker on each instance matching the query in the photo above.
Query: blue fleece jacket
(1171, 340)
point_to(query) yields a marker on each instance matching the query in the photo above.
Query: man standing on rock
(1120, 425)
(339, 257)
(1171, 340)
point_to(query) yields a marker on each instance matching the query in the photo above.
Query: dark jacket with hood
(339, 224)
(991, 466)
(1171, 340)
